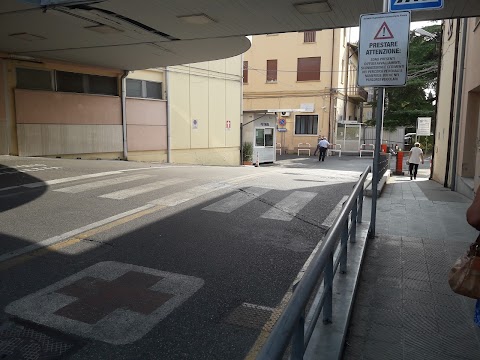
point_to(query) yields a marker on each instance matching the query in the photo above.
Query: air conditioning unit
(285, 113)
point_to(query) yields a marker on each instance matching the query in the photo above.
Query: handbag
(464, 276)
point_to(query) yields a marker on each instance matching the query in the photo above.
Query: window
(245, 72)
(154, 90)
(306, 124)
(65, 81)
(104, 85)
(271, 70)
(134, 88)
(84, 83)
(309, 36)
(264, 137)
(144, 89)
(343, 71)
(70, 82)
(33, 79)
(308, 69)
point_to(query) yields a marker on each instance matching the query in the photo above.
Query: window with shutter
(271, 70)
(245, 72)
(308, 69)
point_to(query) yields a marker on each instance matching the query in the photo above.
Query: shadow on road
(240, 261)
(13, 179)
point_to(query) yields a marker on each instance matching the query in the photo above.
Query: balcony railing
(358, 93)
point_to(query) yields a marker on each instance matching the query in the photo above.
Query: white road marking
(69, 234)
(142, 189)
(27, 166)
(120, 326)
(259, 307)
(236, 200)
(101, 183)
(328, 222)
(188, 194)
(80, 177)
(286, 209)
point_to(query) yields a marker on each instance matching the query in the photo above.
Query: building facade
(57, 109)
(456, 162)
(308, 79)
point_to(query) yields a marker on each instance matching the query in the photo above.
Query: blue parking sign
(405, 5)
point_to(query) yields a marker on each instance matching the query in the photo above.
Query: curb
(381, 183)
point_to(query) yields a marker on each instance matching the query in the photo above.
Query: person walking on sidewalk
(414, 158)
(323, 144)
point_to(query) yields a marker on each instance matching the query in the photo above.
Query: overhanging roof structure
(139, 34)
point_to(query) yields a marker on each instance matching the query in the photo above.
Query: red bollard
(384, 148)
(399, 164)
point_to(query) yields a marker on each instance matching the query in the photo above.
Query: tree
(404, 104)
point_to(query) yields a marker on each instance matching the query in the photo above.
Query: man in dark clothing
(323, 144)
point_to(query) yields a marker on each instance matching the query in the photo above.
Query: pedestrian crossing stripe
(236, 200)
(189, 194)
(142, 189)
(284, 210)
(101, 183)
(289, 207)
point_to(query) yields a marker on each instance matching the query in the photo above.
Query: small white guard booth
(260, 130)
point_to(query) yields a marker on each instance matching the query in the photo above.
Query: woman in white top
(414, 158)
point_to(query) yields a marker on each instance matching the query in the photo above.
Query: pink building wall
(146, 124)
(48, 107)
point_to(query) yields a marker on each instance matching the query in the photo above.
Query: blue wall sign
(404, 5)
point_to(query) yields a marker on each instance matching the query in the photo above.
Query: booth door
(264, 144)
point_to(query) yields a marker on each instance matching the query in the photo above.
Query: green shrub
(247, 151)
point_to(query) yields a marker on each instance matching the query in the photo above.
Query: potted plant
(247, 153)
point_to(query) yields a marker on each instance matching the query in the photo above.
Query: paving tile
(375, 350)
(409, 310)
(387, 334)
(416, 284)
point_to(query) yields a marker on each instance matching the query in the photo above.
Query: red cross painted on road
(97, 298)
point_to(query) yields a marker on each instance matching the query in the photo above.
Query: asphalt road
(150, 261)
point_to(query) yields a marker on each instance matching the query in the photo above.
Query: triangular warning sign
(383, 33)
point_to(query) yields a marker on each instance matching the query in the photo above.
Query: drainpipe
(330, 135)
(241, 114)
(346, 68)
(437, 89)
(459, 103)
(6, 90)
(452, 104)
(124, 113)
(169, 130)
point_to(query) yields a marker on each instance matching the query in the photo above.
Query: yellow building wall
(210, 93)
(444, 105)
(468, 164)
(288, 93)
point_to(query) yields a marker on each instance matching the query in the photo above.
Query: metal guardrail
(294, 326)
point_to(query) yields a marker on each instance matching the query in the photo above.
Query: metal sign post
(383, 60)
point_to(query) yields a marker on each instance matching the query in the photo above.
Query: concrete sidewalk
(404, 308)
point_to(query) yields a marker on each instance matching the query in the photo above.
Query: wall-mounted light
(197, 19)
(313, 7)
